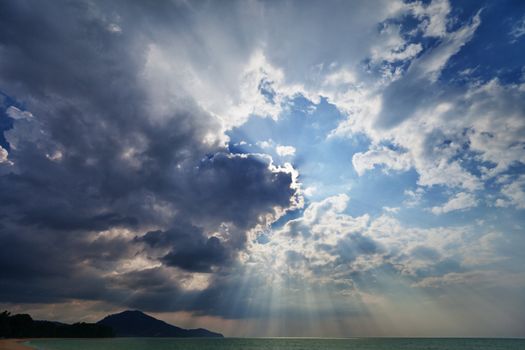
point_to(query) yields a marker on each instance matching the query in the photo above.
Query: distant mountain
(138, 324)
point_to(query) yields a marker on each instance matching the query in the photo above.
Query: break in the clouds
(326, 168)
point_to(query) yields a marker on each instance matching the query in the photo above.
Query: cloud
(393, 47)
(513, 192)
(460, 201)
(495, 112)
(392, 160)
(109, 148)
(458, 278)
(409, 52)
(414, 197)
(425, 119)
(187, 247)
(345, 254)
(433, 16)
(401, 99)
(518, 29)
(16, 113)
(285, 151)
(431, 64)
(200, 257)
(3, 155)
(439, 127)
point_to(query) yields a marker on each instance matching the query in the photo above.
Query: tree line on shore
(23, 326)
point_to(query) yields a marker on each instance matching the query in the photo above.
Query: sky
(266, 168)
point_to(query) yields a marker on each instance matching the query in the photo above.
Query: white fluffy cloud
(3, 155)
(433, 17)
(285, 151)
(391, 160)
(513, 193)
(460, 201)
(327, 245)
(439, 131)
(16, 113)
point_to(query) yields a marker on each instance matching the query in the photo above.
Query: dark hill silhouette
(23, 326)
(138, 324)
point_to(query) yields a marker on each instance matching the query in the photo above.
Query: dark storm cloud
(93, 158)
(198, 256)
(189, 248)
(232, 183)
(40, 265)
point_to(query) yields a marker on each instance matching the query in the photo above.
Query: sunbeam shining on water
(262, 169)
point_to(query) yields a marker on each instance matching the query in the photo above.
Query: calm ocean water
(279, 344)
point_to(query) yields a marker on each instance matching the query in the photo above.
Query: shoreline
(14, 344)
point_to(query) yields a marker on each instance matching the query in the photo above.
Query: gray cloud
(97, 159)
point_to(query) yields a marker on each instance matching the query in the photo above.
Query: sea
(278, 344)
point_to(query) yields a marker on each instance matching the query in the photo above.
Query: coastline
(14, 344)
